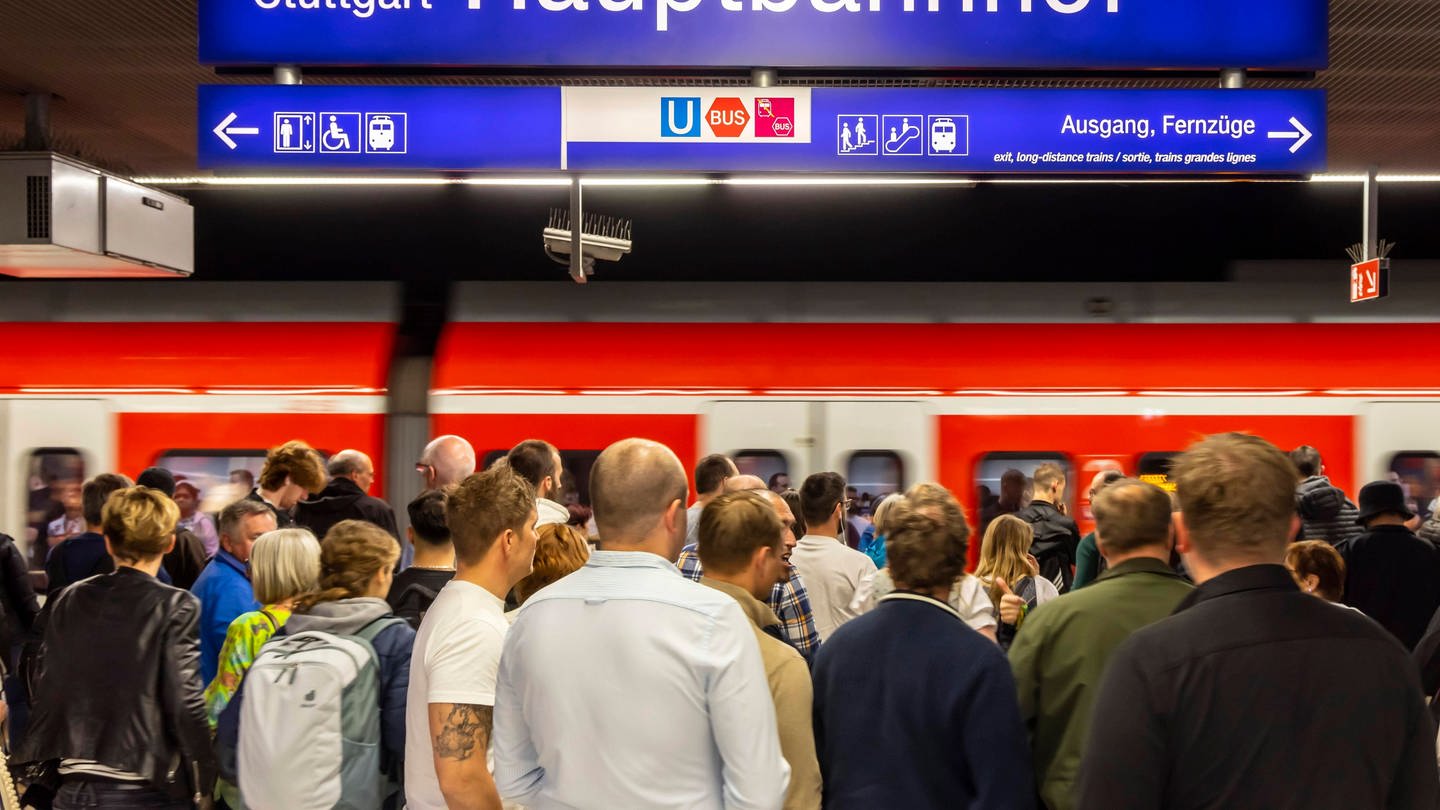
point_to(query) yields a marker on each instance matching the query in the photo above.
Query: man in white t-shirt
(450, 704)
(840, 580)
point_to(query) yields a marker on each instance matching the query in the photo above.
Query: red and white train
(889, 384)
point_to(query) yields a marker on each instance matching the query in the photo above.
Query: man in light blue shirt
(627, 685)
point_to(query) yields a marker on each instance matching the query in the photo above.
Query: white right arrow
(223, 130)
(1301, 135)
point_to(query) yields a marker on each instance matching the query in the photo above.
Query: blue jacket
(914, 709)
(224, 592)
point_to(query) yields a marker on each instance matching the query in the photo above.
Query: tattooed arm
(460, 736)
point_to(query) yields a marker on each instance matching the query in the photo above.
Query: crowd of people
(1252, 639)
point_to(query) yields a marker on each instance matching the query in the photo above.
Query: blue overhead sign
(871, 130)
(379, 128)
(975, 34)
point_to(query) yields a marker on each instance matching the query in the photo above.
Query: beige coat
(790, 687)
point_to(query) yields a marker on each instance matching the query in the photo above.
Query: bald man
(654, 666)
(741, 483)
(346, 497)
(447, 460)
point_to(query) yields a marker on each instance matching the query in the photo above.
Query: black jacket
(117, 682)
(283, 519)
(1325, 512)
(1255, 695)
(185, 562)
(1056, 544)
(20, 604)
(342, 499)
(1394, 577)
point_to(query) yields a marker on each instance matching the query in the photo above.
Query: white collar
(929, 600)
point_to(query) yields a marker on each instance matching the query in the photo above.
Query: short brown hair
(943, 506)
(97, 491)
(1047, 474)
(733, 526)
(351, 554)
(534, 460)
(1237, 495)
(561, 551)
(1131, 514)
(480, 509)
(922, 551)
(139, 522)
(297, 461)
(1319, 558)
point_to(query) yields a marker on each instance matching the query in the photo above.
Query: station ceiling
(125, 74)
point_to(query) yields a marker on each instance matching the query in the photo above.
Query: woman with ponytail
(357, 561)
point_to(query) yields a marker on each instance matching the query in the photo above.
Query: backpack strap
(375, 628)
(270, 617)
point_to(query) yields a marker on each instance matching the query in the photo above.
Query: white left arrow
(1300, 135)
(223, 130)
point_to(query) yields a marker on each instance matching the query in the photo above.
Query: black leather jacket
(117, 682)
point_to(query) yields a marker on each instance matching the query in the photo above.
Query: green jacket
(1060, 654)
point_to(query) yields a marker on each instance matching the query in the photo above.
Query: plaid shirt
(789, 600)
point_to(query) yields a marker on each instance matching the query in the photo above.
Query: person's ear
(672, 514)
(1310, 582)
(170, 546)
(109, 547)
(1182, 535)
(1295, 524)
(759, 558)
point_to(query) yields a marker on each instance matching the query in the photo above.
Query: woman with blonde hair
(357, 560)
(118, 707)
(1007, 569)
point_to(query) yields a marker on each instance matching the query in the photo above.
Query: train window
(1418, 473)
(994, 495)
(574, 475)
(875, 473)
(767, 465)
(54, 476)
(1155, 468)
(220, 475)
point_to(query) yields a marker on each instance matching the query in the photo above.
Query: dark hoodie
(1056, 544)
(1325, 513)
(343, 499)
(392, 652)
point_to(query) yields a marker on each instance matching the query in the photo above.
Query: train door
(880, 447)
(48, 448)
(1401, 441)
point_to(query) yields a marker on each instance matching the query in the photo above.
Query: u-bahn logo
(679, 116)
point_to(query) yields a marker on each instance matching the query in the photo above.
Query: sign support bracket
(1370, 213)
(577, 251)
(1232, 79)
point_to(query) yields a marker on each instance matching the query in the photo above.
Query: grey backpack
(310, 723)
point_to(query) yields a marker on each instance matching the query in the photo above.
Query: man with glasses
(840, 580)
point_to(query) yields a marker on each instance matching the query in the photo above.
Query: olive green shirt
(1060, 654)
